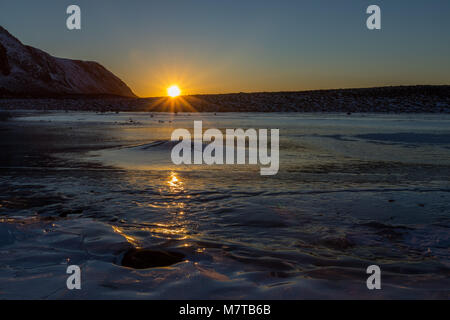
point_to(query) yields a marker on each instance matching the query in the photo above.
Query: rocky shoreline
(402, 99)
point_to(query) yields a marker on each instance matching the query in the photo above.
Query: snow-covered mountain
(27, 71)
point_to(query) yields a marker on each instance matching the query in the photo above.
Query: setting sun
(173, 91)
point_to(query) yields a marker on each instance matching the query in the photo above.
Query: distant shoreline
(396, 99)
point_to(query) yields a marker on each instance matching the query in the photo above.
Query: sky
(223, 46)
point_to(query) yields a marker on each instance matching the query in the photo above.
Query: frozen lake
(352, 191)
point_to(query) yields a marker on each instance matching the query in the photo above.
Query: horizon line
(299, 91)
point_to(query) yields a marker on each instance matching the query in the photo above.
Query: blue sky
(209, 46)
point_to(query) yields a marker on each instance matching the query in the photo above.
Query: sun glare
(173, 91)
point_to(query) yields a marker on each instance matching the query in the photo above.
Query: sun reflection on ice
(174, 183)
(174, 218)
(127, 237)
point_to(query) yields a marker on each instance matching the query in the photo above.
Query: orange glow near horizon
(190, 77)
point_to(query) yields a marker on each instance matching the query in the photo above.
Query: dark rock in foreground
(144, 258)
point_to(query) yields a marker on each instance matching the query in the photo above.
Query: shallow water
(352, 191)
